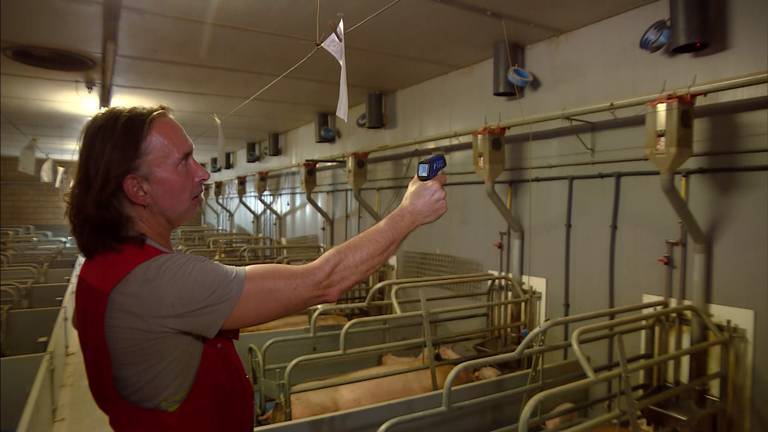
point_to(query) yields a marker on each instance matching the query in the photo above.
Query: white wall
(596, 64)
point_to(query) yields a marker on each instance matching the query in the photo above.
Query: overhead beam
(110, 22)
(478, 10)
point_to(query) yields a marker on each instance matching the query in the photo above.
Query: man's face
(173, 176)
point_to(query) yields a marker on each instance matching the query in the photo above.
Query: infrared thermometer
(430, 167)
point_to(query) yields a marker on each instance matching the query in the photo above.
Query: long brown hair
(110, 150)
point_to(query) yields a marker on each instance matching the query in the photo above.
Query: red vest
(221, 398)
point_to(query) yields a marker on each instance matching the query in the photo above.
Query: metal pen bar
(486, 277)
(615, 323)
(384, 284)
(532, 337)
(398, 309)
(350, 352)
(298, 338)
(519, 353)
(587, 382)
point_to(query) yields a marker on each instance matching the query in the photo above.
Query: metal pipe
(612, 261)
(231, 215)
(324, 215)
(255, 220)
(669, 266)
(533, 336)
(364, 204)
(747, 80)
(576, 343)
(521, 352)
(681, 208)
(216, 212)
(278, 217)
(536, 399)
(514, 225)
(700, 258)
(683, 243)
(628, 173)
(567, 272)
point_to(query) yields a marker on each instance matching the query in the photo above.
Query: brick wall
(24, 200)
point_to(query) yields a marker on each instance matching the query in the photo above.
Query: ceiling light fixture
(49, 58)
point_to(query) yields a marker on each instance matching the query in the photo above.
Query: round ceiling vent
(49, 58)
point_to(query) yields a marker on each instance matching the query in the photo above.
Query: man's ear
(136, 189)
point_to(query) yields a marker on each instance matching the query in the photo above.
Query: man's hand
(424, 202)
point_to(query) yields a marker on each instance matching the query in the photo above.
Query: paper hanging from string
(219, 140)
(47, 174)
(27, 158)
(334, 44)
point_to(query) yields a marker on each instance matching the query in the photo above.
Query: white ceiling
(205, 56)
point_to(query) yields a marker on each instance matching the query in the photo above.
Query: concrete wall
(596, 64)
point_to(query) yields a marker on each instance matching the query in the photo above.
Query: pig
(564, 419)
(296, 321)
(353, 395)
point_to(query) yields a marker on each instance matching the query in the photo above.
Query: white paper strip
(61, 176)
(219, 140)
(334, 44)
(47, 174)
(27, 158)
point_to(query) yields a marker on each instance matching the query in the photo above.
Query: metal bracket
(589, 148)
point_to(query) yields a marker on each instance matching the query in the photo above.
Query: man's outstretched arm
(272, 291)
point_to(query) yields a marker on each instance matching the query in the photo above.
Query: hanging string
(506, 41)
(375, 14)
(317, 24)
(302, 61)
(27, 137)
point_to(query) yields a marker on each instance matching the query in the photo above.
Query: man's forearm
(350, 262)
(272, 291)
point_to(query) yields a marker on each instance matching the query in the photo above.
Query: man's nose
(203, 173)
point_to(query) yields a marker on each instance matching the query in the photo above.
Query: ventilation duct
(252, 152)
(325, 131)
(273, 144)
(504, 57)
(373, 117)
(229, 160)
(215, 167)
(689, 20)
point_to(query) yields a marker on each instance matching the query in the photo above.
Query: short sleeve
(183, 293)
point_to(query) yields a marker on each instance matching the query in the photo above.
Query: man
(155, 327)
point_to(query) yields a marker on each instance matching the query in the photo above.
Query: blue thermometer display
(429, 168)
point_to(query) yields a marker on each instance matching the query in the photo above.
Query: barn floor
(76, 409)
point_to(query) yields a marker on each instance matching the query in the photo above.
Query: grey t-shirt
(157, 320)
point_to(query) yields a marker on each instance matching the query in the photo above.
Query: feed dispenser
(488, 159)
(668, 144)
(669, 132)
(242, 181)
(218, 191)
(488, 152)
